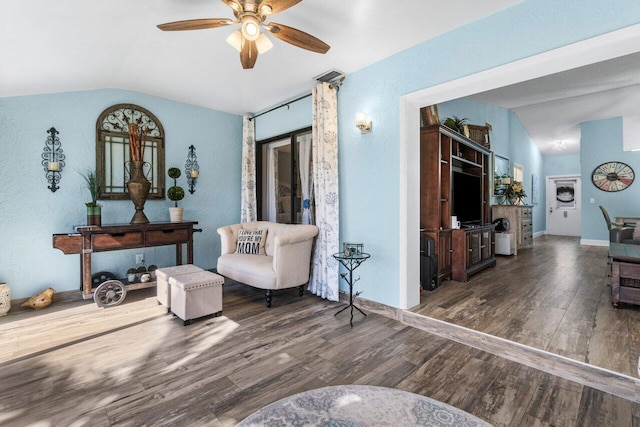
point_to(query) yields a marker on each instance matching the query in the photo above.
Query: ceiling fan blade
(297, 38)
(278, 6)
(248, 54)
(195, 24)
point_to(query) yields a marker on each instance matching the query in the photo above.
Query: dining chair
(607, 219)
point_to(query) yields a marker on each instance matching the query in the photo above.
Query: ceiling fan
(248, 40)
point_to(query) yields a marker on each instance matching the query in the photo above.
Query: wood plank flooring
(554, 297)
(132, 365)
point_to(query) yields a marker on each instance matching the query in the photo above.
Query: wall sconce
(191, 169)
(53, 159)
(363, 124)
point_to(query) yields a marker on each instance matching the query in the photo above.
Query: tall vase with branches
(138, 184)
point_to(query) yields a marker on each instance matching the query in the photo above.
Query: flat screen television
(467, 198)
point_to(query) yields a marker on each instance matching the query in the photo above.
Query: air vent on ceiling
(330, 76)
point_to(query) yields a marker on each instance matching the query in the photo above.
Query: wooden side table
(351, 262)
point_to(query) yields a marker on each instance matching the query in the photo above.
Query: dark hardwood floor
(76, 364)
(554, 297)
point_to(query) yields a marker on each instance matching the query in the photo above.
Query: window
(518, 173)
(112, 151)
(282, 191)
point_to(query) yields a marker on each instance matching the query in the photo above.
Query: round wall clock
(613, 176)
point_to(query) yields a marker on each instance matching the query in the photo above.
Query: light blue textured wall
(30, 213)
(561, 165)
(369, 164)
(283, 120)
(600, 142)
(525, 153)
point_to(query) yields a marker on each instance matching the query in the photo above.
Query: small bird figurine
(40, 300)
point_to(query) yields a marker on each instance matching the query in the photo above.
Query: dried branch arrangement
(137, 139)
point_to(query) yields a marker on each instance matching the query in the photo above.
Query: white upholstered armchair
(284, 261)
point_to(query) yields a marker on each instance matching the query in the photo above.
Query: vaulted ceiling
(69, 45)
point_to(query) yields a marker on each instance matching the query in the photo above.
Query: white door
(563, 205)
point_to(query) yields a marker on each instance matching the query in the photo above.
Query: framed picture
(352, 249)
(535, 188)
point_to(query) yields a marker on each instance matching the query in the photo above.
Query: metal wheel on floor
(109, 294)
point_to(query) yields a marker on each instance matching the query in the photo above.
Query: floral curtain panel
(324, 269)
(248, 193)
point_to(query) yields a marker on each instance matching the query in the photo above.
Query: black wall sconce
(191, 169)
(53, 159)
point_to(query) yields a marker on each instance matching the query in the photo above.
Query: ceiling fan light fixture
(250, 28)
(263, 44)
(235, 40)
(559, 145)
(266, 10)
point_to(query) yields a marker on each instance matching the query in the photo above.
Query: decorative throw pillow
(636, 233)
(251, 242)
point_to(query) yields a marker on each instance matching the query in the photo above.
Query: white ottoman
(196, 295)
(164, 274)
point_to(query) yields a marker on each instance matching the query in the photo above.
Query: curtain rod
(335, 84)
(286, 104)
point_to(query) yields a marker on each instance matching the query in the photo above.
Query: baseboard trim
(539, 233)
(590, 242)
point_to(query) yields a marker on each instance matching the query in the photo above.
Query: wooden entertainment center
(450, 161)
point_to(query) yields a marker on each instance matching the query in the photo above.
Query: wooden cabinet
(521, 222)
(444, 252)
(525, 239)
(474, 249)
(444, 152)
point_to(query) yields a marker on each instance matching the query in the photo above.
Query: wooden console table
(92, 238)
(625, 273)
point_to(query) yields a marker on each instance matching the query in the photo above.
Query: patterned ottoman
(196, 295)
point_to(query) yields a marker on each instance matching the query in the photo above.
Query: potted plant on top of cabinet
(457, 124)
